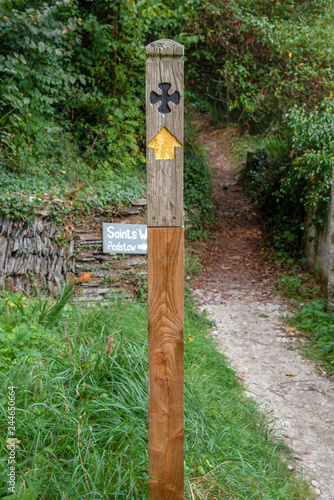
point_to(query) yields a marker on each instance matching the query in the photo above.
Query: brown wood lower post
(166, 363)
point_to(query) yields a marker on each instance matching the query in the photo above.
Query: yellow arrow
(164, 144)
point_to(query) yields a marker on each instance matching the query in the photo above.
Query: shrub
(270, 55)
(312, 156)
(292, 177)
(197, 187)
(279, 203)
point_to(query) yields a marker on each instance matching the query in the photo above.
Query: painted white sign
(124, 238)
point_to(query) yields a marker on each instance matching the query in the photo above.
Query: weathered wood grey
(165, 65)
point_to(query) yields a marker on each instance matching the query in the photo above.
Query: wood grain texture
(166, 363)
(165, 47)
(165, 177)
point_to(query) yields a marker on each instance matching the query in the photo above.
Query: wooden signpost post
(164, 112)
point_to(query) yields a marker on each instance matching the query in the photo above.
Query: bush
(77, 70)
(292, 177)
(197, 187)
(270, 55)
(312, 156)
(280, 205)
(72, 106)
(37, 78)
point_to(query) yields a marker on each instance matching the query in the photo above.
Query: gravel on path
(251, 331)
(251, 334)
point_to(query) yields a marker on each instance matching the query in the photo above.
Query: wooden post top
(165, 48)
(164, 133)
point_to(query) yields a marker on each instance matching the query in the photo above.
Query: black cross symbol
(165, 98)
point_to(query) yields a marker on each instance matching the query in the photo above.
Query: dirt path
(250, 329)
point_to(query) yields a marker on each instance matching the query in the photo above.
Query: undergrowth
(318, 324)
(310, 318)
(81, 409)
(297, 285)
(197, 187)
(67, 187)
(291, 175)
(74, 188)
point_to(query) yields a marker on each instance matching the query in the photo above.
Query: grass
(300, 286)
(310, 317)
(81, 418)
(313, 319)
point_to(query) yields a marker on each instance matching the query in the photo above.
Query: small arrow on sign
(164, 144)
(142, 247)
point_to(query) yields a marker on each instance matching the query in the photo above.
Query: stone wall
(317, 249)
(320, 252)
(330, 287)
(121, 275)
(30, 253)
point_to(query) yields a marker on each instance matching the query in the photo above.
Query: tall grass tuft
(81, 410)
